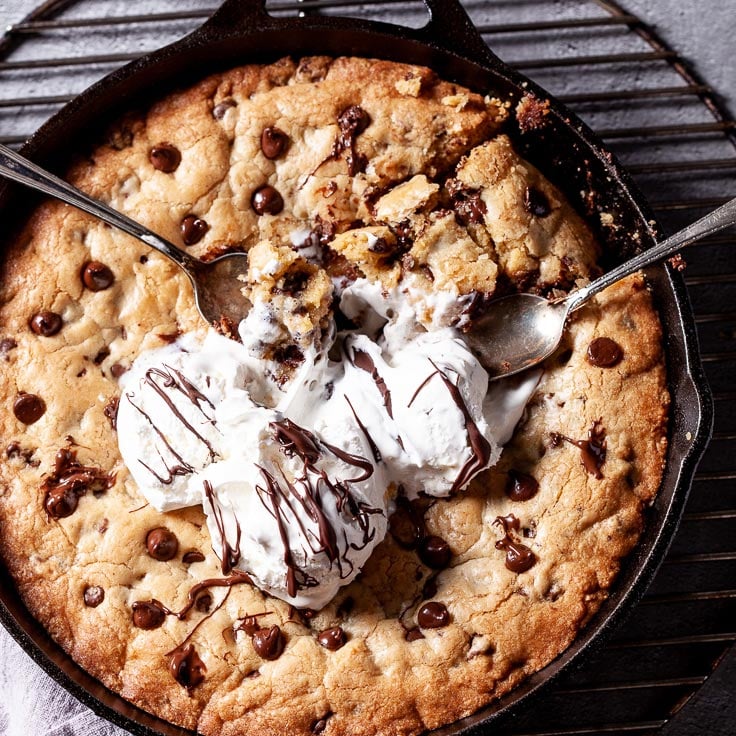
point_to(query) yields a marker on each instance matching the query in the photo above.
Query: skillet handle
(449, 26)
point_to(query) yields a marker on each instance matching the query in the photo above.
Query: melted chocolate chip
(193, 229)
(429, 589)
(519, 558)
(102, 353)
(293, 283)
(250, 625)
(433, 615)
(6, 345)
(15, 450)
(162, 544)
(536, 202)
(148, 614)
(406, 524)
(193, 555)
(273, 142)
(434, 552)
(521, 486)
(219, 110)
(604, 352)
(70, 480)
(266, 200)
(186, 667)
(469, 208)
(111, 411)
(46, 323)
(332, 639)
(165, 157)
(414, 634)
(97, 276)
(269, 643)
(93, 596)
(28, 408)
(592, 450)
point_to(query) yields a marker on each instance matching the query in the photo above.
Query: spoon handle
(719, 219)
(16, 167)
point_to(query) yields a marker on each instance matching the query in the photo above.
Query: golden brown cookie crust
(423, 135)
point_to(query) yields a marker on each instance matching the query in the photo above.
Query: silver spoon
(217, 286)
(519, 331)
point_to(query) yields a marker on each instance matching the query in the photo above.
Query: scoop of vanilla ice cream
(298, 478)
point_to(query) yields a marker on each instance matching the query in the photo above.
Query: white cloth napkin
(32, 704)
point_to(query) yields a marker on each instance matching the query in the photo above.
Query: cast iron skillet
(563, 148)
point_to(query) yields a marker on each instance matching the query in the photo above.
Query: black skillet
(563, 148)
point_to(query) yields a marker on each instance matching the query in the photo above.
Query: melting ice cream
(298, 478)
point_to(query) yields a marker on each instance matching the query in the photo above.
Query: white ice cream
(297, 481)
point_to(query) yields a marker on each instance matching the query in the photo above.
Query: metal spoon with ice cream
(217, 284)
(519, 331)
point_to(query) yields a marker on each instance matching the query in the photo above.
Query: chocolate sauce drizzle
(362, 360)
(160, 379)
(283, 498)
(229, 555)
(480, 448)
(592, 450)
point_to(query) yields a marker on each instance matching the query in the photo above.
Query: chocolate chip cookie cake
(324, 518)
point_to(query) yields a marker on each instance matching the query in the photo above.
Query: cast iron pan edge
(241, 31)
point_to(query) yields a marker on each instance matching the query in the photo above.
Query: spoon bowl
(217, 284)
(519, 331)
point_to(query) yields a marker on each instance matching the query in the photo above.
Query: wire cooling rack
(667, 127)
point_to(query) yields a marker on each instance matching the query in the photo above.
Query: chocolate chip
(46, 323)
(219, 110)
(93, 596)
(193, 555)
(266, 200)
(186, 667)
(102, 353)
(521, 486)
(117, 370)
(28, 408)
(604, 352)
(97, 276)
(193, 229)
(519, 558)
(203, 603)
(321, 724)
(406, 524)
(60, 502)
(536, 202)
(148, 614)
(434, 552)
(433, 615)
(165, 157)
(162, 544)
(269, 643)
(414, 634)
(332, 639)
(273, 142)
(6, 345)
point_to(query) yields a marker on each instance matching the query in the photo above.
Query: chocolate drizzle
(160, 379)
(68, 482)
(519, 558)
(480, 448)
(229, 555)
(362, 360)
(592, 450)
(283, 498)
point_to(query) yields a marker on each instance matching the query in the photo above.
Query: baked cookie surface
(335, 169)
